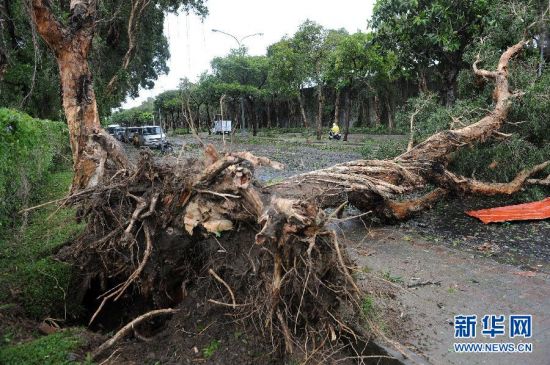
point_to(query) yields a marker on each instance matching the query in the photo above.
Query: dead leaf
(192, 217)
(218, 225)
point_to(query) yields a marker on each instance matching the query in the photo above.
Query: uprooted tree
(163, 227)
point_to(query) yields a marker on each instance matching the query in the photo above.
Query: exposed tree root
(149, 234)
(124, 331)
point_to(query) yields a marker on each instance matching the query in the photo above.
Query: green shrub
(377, 130)
(29, 148)
(41, 285)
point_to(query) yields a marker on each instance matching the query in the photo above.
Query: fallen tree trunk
(378, 185)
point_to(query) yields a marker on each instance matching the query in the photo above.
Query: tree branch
(47, 25)
(438, 147)
(466, 185)
(481, 72)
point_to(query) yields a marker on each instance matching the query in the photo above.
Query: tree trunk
(268, 105)
(254, 118)
(337, 107)
(277, 121)
(302, 109)
(450, 86)
(93, 150)
(389, 113)
(377, 111)
(347, 112)
(360, 113)
(422, 82)
(321, 100)
(208, 119)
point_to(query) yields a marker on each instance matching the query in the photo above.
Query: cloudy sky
(193, 44)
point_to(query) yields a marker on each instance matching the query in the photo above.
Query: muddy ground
(420, 273)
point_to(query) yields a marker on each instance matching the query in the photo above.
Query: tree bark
(268, 106)
(347, 112)
(377, 111)
(92, 148)
(302, 109)
(277, 121)
(254, 118)
(422, 82)
(321, 101)
(337, 107)
(389, 113)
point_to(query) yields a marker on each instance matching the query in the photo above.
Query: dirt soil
(439, 264)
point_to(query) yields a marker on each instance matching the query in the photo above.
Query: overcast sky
(193, 44)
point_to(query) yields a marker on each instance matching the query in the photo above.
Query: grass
(367, 307)
(392, 278)
(212, 347)
(48, 350)
(29, 275)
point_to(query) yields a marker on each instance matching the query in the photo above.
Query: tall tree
(309, 41)
(430, 36)
(288, 73)
(70, 39)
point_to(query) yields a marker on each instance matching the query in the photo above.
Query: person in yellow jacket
(334, 132)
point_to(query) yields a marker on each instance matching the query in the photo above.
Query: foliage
(499, 161)
(430, 36)
(376, 149)
(29, 149)
(212, 347)
(53, 349)
(240, 75)
(131, 117)
(495, 159)
(27, 53)
(28, 275)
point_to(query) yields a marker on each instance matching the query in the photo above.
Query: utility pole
(241, 52)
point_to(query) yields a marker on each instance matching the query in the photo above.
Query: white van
(152, 136)
(222, 127)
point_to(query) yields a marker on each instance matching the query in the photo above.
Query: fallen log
(379, 186)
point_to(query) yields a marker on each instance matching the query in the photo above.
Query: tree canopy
(129, 47)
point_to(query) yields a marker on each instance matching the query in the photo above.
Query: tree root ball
(170, 228)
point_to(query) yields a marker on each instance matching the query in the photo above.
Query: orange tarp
(520, 212)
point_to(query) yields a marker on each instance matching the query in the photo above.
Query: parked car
(222, 127)
(112, 129)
